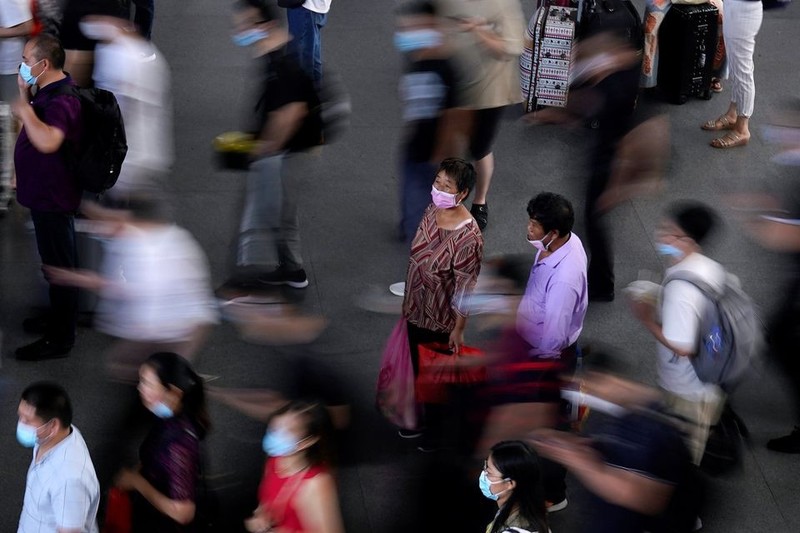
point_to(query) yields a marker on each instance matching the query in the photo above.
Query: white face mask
(540, 245)
(577, 398)
(99, 31)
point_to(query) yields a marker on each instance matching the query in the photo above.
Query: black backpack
(103, 145)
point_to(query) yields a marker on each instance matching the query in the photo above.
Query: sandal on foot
(730, 140)
(722, 123)
(716, 85)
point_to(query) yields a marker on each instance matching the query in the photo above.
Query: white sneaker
(398, 289)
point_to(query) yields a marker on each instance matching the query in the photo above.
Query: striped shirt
(62, 491)
(442, 272)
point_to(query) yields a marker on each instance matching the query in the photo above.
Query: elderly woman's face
(444, 183)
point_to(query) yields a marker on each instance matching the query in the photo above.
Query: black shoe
(293, 278)
(36, 325)
(601, 296)
(480, 212)
(788, 444)
(42, 349)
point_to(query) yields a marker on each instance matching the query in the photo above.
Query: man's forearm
(20, 30)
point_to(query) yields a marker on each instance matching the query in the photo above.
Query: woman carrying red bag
(445, 261)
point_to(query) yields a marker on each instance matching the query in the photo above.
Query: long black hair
(517, 461)
(174, 370)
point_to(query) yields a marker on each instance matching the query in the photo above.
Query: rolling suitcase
(687, 42)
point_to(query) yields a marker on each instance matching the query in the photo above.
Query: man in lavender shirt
(47, 186)
(550, 315)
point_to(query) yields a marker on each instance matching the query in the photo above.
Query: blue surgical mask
(248, 37)
(486, 486)
(668, 250)
(26, 435)
(410, 40)
(161, 410)
(26, 74)
(279, 443)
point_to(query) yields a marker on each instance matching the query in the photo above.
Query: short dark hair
(47, 46)
(50, 401)
(173, 370)
(694, 218)
(416, 7)
(552, 211)
(265, 10)
(461, 171)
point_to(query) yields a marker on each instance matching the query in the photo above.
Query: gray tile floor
(348, 220)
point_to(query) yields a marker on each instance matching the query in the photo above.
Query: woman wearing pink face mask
(445, 261)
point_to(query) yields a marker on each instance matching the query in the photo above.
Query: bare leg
(484, 168)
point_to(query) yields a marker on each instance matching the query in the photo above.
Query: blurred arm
(20, 30)
(281, 126)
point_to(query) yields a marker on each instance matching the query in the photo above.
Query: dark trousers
(143, 16)
(600, 275)
(55, 239)
(433, 415)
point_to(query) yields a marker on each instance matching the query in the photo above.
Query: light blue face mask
(668, 250)
(486, 486)
(279, 443)
(408, 41)
(26, 435)
(161, 410)
(26, 74)
(249, 37)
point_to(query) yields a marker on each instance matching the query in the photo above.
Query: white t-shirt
(318, 6)
(161, 285)
(12, 13)
(138, 75)
(682, 305)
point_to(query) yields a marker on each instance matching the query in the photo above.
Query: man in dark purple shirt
(47, 186)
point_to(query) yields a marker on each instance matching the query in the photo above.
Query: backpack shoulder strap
(689, 277)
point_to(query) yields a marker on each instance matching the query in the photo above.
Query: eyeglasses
(486, 469)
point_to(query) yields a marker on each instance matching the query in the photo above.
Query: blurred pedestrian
(674, 318)
(16, 24)
(61, 493)
(298, 491)
(79, 48)
(633, 462)
(445, 261)
(511, 476)
(163, 486)
(428, 94)
(773, 223)
(305, 26)
(154, 286)
(742, 22)
(132, 68)
(489, 38)
(48, 186)
(288, 125)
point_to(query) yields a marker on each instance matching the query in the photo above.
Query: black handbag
(290, 4)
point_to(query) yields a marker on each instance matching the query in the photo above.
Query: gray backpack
(731, 332)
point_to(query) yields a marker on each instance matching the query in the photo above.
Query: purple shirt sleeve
(558, 315)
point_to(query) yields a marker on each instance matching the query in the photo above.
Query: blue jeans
(55, 239)
(306, 45)
(415, 195)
